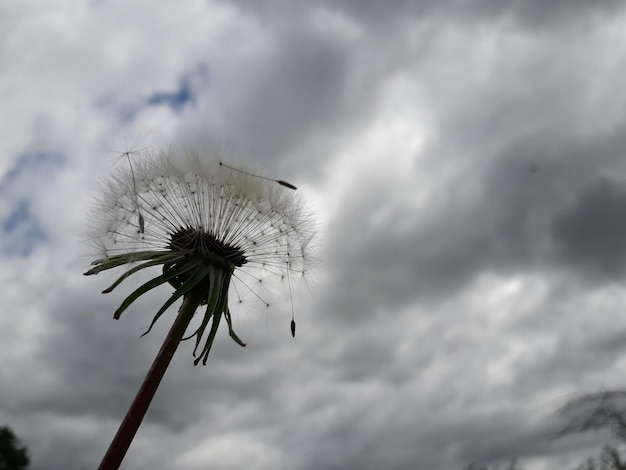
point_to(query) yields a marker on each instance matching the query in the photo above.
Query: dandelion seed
(142, 223)
(281, 182)
(140, 218)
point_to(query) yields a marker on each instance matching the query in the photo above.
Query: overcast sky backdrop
(467, 163)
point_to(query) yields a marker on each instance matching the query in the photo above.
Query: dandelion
(207, 226)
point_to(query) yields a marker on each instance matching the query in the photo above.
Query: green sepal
(214, 304)
(114, 261)
(151, 284)
(154, 262)
(196, 278)
(209, 342)
(231, 332)
(200, 330)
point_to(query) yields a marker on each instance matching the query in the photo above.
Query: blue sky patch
(21, 231)
(177, 99)
(29, 167)
(126, 105)
(25, 181)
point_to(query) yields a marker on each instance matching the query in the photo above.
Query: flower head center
(197, 243)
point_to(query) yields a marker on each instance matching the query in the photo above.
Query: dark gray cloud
(523, 152)
(533, 14)
(298, 92)
(592, 233)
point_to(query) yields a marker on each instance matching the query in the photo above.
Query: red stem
(127, 430)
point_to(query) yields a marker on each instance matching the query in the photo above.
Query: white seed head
(144, 203)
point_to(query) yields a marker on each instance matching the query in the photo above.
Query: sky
(465, 162)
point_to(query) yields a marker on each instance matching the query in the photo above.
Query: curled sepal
(167, 258)
(151, 284)
(217, 305)
(231, 332)
(217, 316)
(118, 260)
(218, 281)
(196, 278)
(213, 305)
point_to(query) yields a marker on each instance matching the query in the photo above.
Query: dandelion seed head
(190, 213)
(171, 193)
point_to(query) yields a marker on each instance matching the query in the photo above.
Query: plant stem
(127, 430)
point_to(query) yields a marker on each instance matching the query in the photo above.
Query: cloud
(592, 233)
